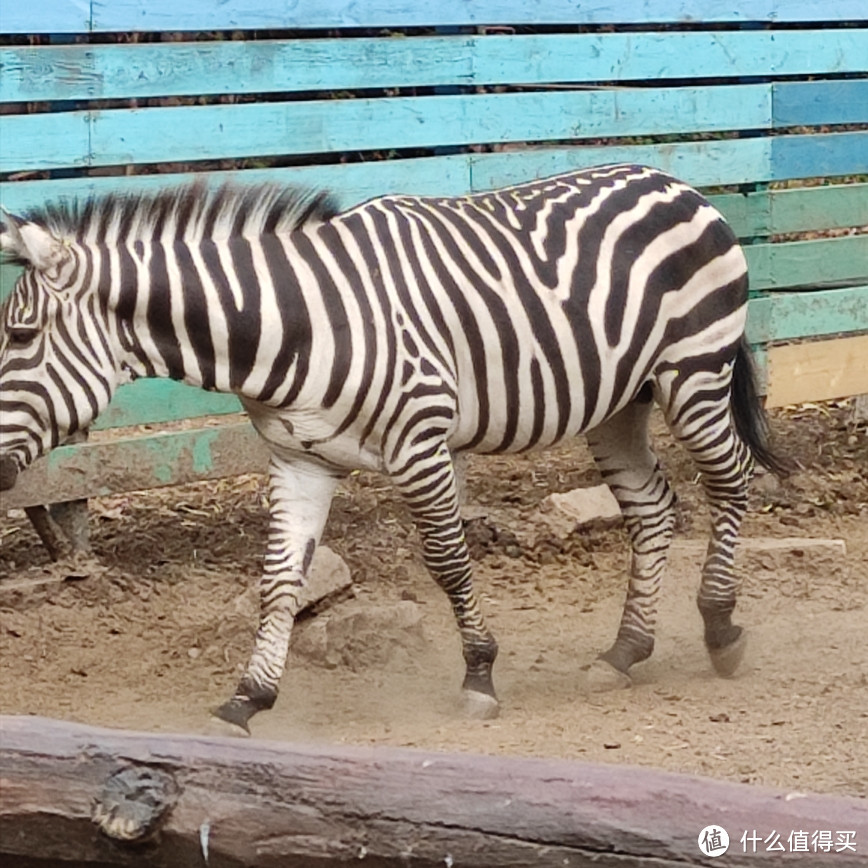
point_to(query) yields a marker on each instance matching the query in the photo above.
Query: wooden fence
(761, 103)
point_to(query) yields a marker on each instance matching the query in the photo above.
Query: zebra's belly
(311, 435)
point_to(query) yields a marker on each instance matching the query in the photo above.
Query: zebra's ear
(30, 244)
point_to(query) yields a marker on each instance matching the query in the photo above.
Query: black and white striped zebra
(397, 335)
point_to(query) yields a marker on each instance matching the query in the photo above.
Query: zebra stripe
(396, 336)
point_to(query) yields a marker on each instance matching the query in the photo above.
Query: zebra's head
(56, 366)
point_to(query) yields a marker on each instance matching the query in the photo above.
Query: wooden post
(93, 796)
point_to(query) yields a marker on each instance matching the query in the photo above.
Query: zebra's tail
(749, 416)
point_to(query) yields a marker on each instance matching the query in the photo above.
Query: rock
(359, 635)
(329, 575)
(563, 513)
(860, 409)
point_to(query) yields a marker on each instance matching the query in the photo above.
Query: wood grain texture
(159, 401)
(288, 805)
(138, 462)
(840, 261)
(139, 70)
(148, 15)
(787, 316)
(732, 161)
(817, 370)
(189, 133)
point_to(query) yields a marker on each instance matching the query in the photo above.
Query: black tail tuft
(749, 416)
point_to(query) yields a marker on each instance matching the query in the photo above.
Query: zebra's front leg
(429, 486)
(299, 498)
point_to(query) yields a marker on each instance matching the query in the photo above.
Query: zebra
(397, 336)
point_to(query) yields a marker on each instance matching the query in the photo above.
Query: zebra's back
(538, 310)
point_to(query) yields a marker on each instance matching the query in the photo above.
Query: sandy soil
(154, 634)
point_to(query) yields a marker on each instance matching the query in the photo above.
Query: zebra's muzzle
(8, 473)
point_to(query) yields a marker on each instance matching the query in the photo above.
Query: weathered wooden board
(813, 103)
(793, 315)
(228, 803)
(186, 133)
(131, 463)
(841, 261)
(157, 401)
(149, 15)
(817, 370)
(109, 137)
(818, 156)
(138, 70)
(703, 164)
(760, 213)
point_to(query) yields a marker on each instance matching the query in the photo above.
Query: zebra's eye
(21, 335)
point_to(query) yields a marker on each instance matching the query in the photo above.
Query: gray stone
(328, 576)
(563, 513)
(358, 635)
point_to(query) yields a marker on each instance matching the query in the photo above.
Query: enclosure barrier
(91, 796)
(763, 104)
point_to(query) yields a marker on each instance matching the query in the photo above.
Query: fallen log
(78, 795)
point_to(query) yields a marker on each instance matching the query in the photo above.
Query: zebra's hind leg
(299, 498)
(703, 425)
(428, 484)
(622, 450)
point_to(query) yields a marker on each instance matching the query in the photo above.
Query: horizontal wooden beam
(163, 69)
(155, 402)
(65, 16)
(95, 469)
(817, 370)
(787, 316)
(765, 212)
(124, 136)
(301, 127)
(98, 796)
(815, 262)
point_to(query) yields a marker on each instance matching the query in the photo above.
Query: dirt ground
(156, 634)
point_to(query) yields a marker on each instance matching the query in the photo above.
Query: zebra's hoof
(726, 660)
(479, 706)
(603, 677)
(220, 726)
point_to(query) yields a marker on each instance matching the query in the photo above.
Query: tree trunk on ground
(76, 796)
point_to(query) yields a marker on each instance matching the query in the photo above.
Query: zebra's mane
(190, 212)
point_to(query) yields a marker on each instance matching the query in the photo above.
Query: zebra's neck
(226, 315)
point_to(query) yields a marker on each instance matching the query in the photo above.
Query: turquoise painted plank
(140, 70)
(156, 401)
(799, 209)
(187, 133)
(811, 103)
(711, 163)
(143, 15)
(819, 156)
(44, 141)
(8, 275)
(151, 460)
(704, 164)
(823, 261)
(47, 16)
(836, 206)
(792, 315)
